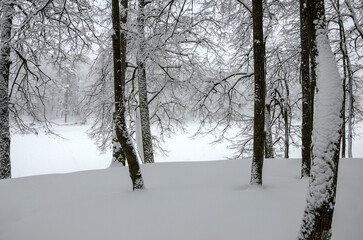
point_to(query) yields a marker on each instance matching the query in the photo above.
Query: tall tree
(143, 100)
(307, 100)
(5, 62)
(119, 44)
(319, 209)
(260, 89)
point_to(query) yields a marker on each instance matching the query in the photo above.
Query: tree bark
(118, 155)
(5, 62)
(318, 215)
(269, 150)
(143, 102)
(119, 44)
(307, 100)
(260, 92)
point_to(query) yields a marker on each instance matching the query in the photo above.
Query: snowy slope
(200, 200)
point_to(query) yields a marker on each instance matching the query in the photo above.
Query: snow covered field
(200, 200)
(209, 200)
(44, 154)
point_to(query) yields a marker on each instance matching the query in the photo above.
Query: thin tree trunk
(343, 49)
(260, 92)
(306, 92)
(66, 102)
(319, 209)
(269, 150)
(6, 18)
(143, 102)
(286, 119)
(347, 73)
(350, 107)
(119, 43)
(313, 54)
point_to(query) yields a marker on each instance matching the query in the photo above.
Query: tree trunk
(260, 91)
(307, 100)
(6, 19)
(350, 107)
(348, 74)
(318, 215)
(287, 119)
(119, 43)
(66, 102)
(343, 49)
(143, 102)
(269, 150)
(118, 155)
(313, 53)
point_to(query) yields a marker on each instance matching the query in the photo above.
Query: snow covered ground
(44, 154)
(209, 200)
(196, 200)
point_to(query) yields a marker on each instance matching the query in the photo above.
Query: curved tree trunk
(119, 44)
(6, 19)
(319, 209)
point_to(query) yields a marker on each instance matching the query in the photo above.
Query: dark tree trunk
(343, 49)
(260, 91)
(6, 18)
(350, 106)
(143, 102)
(119, 43)
(117, 153)
(269, 150)
(307, 100)
(287, 118)
(319, 209)
(313, 53)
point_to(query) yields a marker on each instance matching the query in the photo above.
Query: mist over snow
(44, 154)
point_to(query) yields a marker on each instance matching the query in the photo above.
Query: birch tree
(318, 215)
